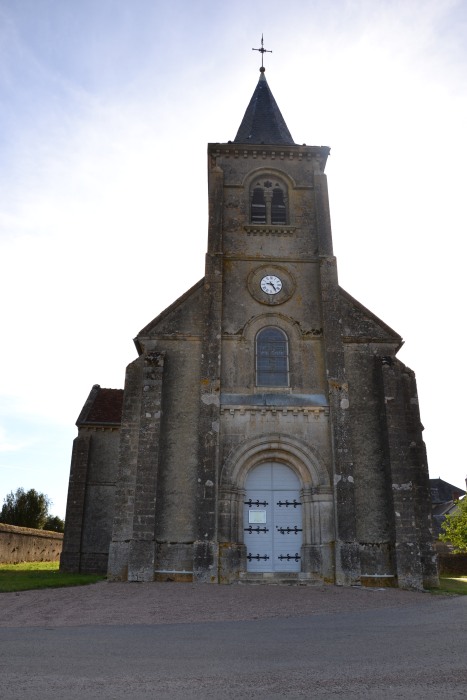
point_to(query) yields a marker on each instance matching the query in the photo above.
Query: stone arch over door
(315, 493)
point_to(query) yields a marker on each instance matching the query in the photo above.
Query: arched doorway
(272, 519)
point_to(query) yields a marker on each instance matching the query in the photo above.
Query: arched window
(272, 358)
(268, 203)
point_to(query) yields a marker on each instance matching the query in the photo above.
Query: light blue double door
(272, 519)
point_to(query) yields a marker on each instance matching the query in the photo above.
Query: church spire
(263, 121)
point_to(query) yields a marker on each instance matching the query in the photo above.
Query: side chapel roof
(263, 121)
(443, 492)
(102, 407)
(443, 502)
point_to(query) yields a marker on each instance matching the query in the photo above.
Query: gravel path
(107, 603)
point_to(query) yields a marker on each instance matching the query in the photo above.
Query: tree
(454, 528)
(25, 508)
(54, 523)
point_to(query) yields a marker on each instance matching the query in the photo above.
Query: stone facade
(198, 415)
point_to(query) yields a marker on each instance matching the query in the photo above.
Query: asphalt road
(411, 652)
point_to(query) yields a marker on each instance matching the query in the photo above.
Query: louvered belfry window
(272, 358)
(258, 206)
(268, 203)
(278, 209)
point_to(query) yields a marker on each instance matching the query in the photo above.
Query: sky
(106, 108)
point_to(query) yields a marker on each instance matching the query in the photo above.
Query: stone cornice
(268, 230)
(94, 427)
(305, 411)
(273, 152)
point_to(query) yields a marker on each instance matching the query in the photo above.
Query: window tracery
(268, 203)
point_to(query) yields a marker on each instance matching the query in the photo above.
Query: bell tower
(298, 368)
(272, 350)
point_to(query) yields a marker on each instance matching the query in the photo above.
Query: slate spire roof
(263, 121)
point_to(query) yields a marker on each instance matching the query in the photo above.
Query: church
(267, 431)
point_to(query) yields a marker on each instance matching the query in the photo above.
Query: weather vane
(262, 51)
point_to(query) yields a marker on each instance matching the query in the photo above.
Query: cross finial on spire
(262, 51)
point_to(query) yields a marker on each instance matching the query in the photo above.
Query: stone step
(280, 579)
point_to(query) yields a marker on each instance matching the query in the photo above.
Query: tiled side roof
(263, 121)
(442, 492)
(103, 407)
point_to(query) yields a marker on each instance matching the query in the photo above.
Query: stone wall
(90, 504)
(450, 564)
(19, 544)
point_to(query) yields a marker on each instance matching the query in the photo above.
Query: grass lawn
(40, 574)
(450, 584)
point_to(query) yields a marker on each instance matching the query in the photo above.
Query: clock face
(270, 284)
